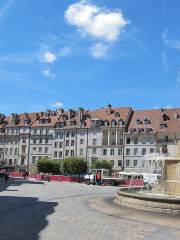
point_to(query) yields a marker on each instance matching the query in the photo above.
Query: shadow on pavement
(22, 217)
(15, 182)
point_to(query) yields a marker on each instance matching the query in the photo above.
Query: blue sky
(69, 53)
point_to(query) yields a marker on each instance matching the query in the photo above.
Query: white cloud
(48, 73)
(171, 43)
(57, 104)
(100, 23)
(168, 106)
(99, 50)
(49, 57)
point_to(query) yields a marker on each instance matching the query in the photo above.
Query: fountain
(164, 196)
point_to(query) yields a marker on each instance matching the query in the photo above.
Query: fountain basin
(146, 201)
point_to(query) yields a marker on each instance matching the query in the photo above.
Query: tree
(102, 164)
(75, 166)
(47, 165)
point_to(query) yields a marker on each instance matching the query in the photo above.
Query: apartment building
(122, 136)
(150, 133)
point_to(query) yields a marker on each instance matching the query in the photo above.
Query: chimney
(109, 110)
(81, 114)
(71, 113)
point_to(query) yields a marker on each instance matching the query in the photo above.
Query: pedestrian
(6, 177)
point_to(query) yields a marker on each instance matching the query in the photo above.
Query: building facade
(123, 136)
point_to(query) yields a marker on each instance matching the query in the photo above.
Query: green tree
(102, 164)
(75, 165)
(47, 165)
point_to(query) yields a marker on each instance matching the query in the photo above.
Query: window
(46, 140)
(60, 144)
(121, 141)
(135, 163)
(164, 149)
(127, 163)
(56, 135)
(138, 121)
(151, 150)
(72, 152)
(67, 134)
(135, 151)
(67, 142)
(67, 153)
(81, 151)
(120, 151)
(46, 149)
(128, 140)
(72, 142)
(128, 151)
(119, 163)
(10, 151)
(61, 135)
(60, 154)
(55, 144)
(94, 150)
(113, 123)
(143, 140)
(143, 151)
(117, 114)
(33, 159)
(40, 140)
(55, 154)
(39, 157)
(104, 151)
(136, 141)
(73, 134)
(40, 149)
(112, 151)
(94, 141)
(34, 149)
(15, 151)
(151, 140)
(81, 141)
(163, 125)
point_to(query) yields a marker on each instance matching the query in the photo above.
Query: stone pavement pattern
(35, 211)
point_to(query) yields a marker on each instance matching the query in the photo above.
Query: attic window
(106, 123)
(113, 123)
(133, 130)
(117, 114)
(121, 123)
(163, 125)
(138, 121)
(140, 130)
(165, 117)
(146, 121)
(149, 130)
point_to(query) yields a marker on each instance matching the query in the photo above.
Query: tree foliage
(102, 164)
(47, 165)
(75, 166)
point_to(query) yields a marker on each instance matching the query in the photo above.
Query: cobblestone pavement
(36, 211)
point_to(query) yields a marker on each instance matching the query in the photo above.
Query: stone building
(124, 136)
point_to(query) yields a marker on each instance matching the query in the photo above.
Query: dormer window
(27, 121)
(163, 125)
(113, 123)
(165, 117)
(106, 123)
(146, 121)
(140, 130)
(117, 114)
(133, 130)
(139, 122)
(121, 123)
(62, 124)
(149, 130)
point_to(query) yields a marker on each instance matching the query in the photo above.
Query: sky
(71, 53)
